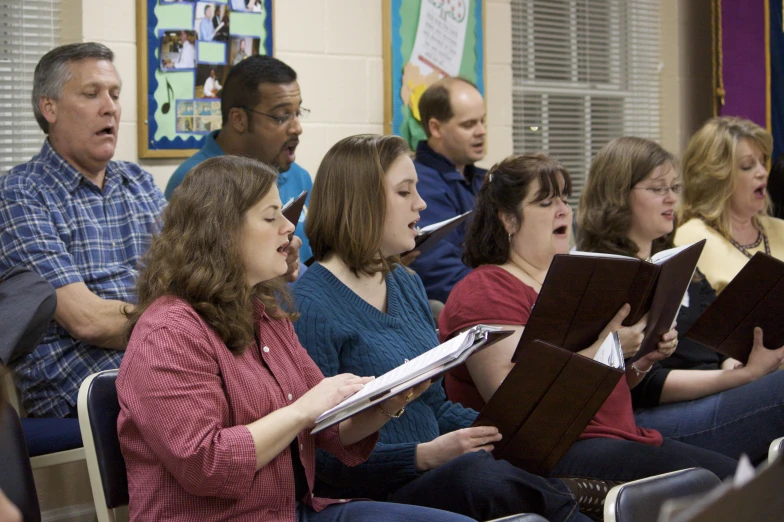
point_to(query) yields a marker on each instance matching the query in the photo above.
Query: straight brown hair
(348, 201)
(604, 216)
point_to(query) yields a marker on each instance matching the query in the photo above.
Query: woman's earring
(509, 236)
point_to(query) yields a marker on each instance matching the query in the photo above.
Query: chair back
(641, 500)
(16, 474)
(98, 411)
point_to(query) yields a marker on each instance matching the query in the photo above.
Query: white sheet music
(438, 356)
(610, 352)
(436, 226)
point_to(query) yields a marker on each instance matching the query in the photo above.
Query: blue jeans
(745, 419)
(481, 487)
(381, 511)
(623, 460)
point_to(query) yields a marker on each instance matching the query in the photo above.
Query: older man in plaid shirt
(80, 220)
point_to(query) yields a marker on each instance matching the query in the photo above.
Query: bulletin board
(185, 49)
(424, 41)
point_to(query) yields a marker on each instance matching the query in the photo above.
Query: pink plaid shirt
(185, 399)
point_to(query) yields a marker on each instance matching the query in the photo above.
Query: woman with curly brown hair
(725, 198)
(697, 395)
(217, 396)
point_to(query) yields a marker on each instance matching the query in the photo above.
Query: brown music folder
(583, 292)
(545, 403)
(293, 208)
(754, 297)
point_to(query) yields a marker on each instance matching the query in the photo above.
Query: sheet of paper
(610, 353)
(597, 254)
(664, 255)
(436, 226)
(440, 36)
(435, 357)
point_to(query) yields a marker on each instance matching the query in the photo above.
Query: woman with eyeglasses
(725, 198)
(696, 395)
(521, 221)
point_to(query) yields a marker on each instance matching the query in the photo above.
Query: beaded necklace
(761, 237)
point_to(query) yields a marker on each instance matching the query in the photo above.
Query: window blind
(584, 72)
(28, 29)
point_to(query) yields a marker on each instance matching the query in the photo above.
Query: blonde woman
(725, 199)
(697, 395)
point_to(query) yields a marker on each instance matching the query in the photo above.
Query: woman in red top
(522, 219)
(217, 396)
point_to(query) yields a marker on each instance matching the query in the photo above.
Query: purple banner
(743, 52)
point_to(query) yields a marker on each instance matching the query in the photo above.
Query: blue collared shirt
(448, 193)
(67, 229)
(206, 29)
(290, 185)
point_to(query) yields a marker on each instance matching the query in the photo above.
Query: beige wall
(335, 47)
(686, 88)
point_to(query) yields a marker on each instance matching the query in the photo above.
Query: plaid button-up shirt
(63, 226)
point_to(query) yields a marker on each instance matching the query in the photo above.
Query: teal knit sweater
(343, 333)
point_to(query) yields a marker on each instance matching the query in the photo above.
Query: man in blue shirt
(261, 106)
(453, 117)
(206, 28)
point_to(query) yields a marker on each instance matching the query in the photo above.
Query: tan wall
(686, 89)
(335, 47)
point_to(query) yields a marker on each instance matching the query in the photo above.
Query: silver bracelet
(639, 372)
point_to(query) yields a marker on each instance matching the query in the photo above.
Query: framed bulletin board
(185, 49)
(424, 41)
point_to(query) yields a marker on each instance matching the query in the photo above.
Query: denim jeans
(623, 460)
(481, 487)
(745, 419)
(381, 511)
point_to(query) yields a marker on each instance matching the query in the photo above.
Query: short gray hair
(52, 72)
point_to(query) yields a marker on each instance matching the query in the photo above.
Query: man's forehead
(273, 94)
(93, 70)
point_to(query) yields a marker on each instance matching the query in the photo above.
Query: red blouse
(491, 295)
(185, 399)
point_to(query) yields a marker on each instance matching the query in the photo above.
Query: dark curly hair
(197, 255)
(604, 216)
(504, 189)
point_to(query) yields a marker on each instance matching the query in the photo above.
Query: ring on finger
(409, 396)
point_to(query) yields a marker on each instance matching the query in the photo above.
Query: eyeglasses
(301, 114)
(662, 191)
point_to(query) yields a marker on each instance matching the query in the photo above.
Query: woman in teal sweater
(363, 312)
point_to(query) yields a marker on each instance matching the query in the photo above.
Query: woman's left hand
(667, 345)
(401, 400)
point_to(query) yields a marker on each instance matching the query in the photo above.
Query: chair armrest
(522, 517)
(641, 500)
(775, 449)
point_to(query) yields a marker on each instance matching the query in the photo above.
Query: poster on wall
(424, 41)
(185, 50)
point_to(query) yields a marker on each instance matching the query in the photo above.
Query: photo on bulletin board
(424, 41)
(240, 47)
(185, 50)
(210, 79)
